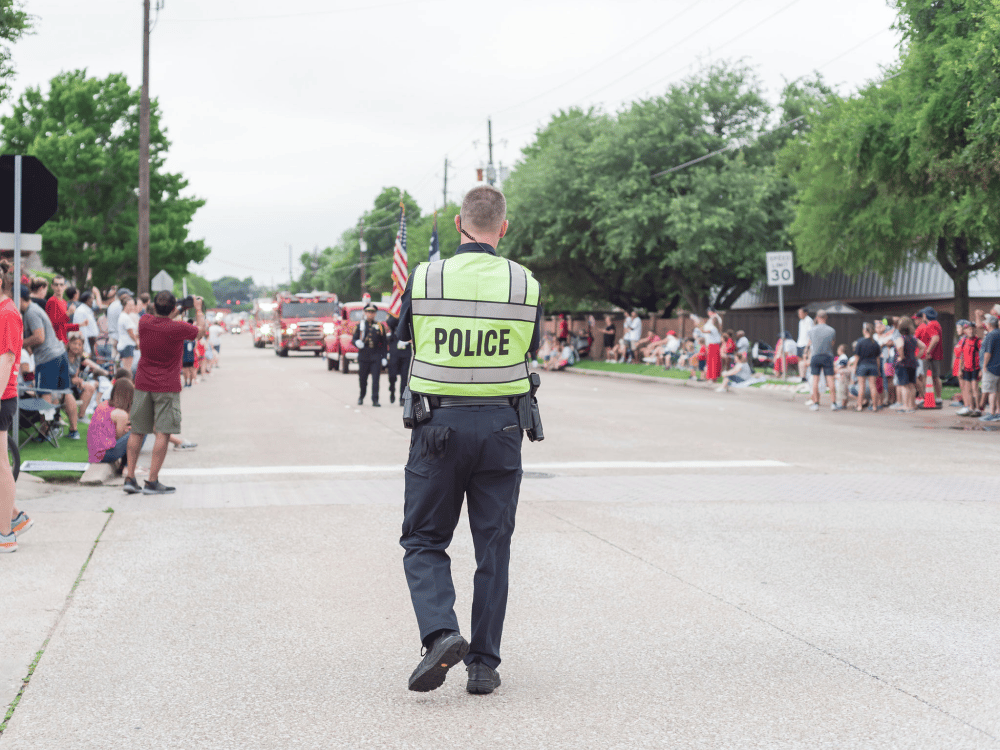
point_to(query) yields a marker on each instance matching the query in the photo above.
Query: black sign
(39, 194)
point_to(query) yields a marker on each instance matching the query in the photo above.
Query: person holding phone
(156, 406)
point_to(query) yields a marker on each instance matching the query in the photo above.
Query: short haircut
(821, 314)
(58, 277)
(164, 303)
(37, 284)
(85, 297)
(123, 373)
(484, 208)
(71, 292)
(991, 321)
(144, 298)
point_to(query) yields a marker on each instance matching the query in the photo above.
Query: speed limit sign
(780, 269)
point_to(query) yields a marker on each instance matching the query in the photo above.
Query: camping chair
(38, 419)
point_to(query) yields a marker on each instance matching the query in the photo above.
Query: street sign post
(781, 273)
(29, 197)
(162, 282)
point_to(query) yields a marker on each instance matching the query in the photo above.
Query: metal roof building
(920, 282)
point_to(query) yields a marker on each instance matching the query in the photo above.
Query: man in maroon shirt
(929, 331)
(156, 406)
(55, 308)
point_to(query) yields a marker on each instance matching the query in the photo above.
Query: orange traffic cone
(929, 400)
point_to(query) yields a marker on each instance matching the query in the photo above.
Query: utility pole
(491, 173)
(142, 283)
(361, 256)
(445, 182)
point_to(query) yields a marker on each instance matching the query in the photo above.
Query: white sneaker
(721, 389)
(963, 412)
(810, 402)
(814, 407)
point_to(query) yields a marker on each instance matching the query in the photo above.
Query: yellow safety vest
(473, 318)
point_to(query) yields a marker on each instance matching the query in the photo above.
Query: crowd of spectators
(886, 368)
(78, 348)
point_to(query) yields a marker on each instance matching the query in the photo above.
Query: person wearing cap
(970, 370)
(371, 338)
(929, 331)
(671, 345)
(474, 318)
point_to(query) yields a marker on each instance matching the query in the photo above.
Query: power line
(697, 31)
(603, 62)
(721, 46)
(305, 14)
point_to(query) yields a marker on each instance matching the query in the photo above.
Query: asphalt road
(690, 569)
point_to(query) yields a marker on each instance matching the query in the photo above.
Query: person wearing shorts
(51, 362)
(990, 353)
(12, 521)
(156, 405)
(970, 370)
(821, 339)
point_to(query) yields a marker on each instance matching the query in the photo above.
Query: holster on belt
(529, 416)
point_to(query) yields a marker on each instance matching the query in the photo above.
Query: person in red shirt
(55, 308)
(929, 331)
(156, 406)
(970, 370)
(12, 521)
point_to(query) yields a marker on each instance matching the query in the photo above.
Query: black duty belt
(444, 402)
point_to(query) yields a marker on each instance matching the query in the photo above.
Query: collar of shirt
(475, 247)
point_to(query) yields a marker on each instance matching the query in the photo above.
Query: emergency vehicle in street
(304, 319)
(263, 321)
(340, 348)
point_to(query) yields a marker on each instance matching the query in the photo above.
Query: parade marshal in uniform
(370, 338)
(473, 319)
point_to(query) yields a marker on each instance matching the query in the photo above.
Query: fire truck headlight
(265, 328)
(328, 328)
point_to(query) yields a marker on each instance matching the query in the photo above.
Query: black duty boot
(448, 650)
(482, 679)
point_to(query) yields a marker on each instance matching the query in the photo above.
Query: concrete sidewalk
(663, 621)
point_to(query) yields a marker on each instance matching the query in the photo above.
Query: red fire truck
(263, 322)
(340, 348)
(304, 319)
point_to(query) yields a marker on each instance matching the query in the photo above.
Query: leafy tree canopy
(14, 24)
(86, 131)
(893, 174)
(597, 216)
(198, 286)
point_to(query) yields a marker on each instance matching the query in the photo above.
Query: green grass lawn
(654, 370)
(73, 451)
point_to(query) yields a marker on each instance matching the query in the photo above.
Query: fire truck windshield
(308, 309)
(265, 315)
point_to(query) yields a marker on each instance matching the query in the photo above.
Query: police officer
(473, 319)
(370, 338)
(399, 361)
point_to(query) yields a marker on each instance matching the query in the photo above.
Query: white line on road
(231, 471)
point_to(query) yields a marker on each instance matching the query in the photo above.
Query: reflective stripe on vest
(473, 318)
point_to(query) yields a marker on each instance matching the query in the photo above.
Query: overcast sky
(289, 118)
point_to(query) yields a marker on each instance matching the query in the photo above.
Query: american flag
(399, 269)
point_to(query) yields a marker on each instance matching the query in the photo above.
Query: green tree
(892, 174)
(197, 286)
(597, 216)
(235, 293)
(86, 131)
(14, 24)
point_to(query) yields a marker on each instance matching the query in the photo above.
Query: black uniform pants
(374, 368)
(473, 452)
(400, 366)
